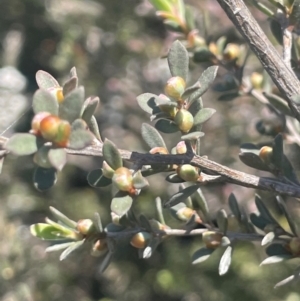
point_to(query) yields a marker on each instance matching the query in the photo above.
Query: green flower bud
(188, 172)
(175, 87)
(231, 52)
(185, 120)
(140, 240)
(181, 148)
(85, 226)
(108, 172)
(212, 239)
(99, 248)
(36, 121)
(123, 179)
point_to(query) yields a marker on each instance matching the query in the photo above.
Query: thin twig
(283, 77)
(229, 175)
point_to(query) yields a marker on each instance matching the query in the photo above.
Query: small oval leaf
(203, 115)
(121, 203)
(181, 196)
(22, 144)
(152, 137)
(201, 255)
(57, 157)
(166, 126)
(225, 261)
(111, 155)
(44, 101)
(44, 178)
(46, 80)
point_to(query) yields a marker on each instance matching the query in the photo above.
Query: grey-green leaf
(95, 178)
(201, 255)
(74, 246)
(139, 182)
(46, 80)
(44, 101)
(268, 238)
(70, 85)
(166, 126)
(57, 157)
(22, 144)
(222, 221)
(63, 218)
(111, 155)
(205, 80)
(276, 259)
(192, 136)
(203, 115)
(70, 108)
(121, 203)
(58, 247)
(44, 178)
(234, 206)
(225, 261)
(152, 137)
(105, 263)
(178, 59)
(147, 102)
(279, 103)
(89, 108)
(181, 196)
(80, 139)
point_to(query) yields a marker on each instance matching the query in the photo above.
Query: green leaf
(139, 182)
(147, 102)
(159, 210)
(70, 108)
(152, 137)
(80, 139)
(205, 80)
(253, 160)
(44, 101)
(45, 232)
(94, 128)
(181, 196)
(166, 126)
(263, 210)
(57, 157)
(22, 144)
(89, 108)
(285, 281)
(111, 155)
(46, 80)
(192, 136)
(121, 203)
(63, 218)
(95, 178)
(222, 221)
(225, 261)
(174, 178)
(189, 17)
(278, 156)
(201, 255)
(152, 246)
(201, 204)
(234, 206)
(228, 96)
(44, 178)
(111, 227)
(202, 54)
(279, 103)
(162, 5)
(105, 262)
(290, 220)
(70, 85)
(258, 221)
(276, 249)
(74, 246)
(203, 115)
(178, 59)
(58, 247)
(97, 222)
(268, 238)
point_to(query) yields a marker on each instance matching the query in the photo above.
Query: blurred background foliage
(117, 48)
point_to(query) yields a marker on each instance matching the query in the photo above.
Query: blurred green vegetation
(116, 47)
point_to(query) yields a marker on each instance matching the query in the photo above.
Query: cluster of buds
(186, 172)
(212, 239)
(174, 90)
(51, 128)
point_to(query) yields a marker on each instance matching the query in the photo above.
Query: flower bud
(115, 218)
(256, 80)
(158, 150)
(36, 121)
(181, 148)
(140, 240)
(294, 246)
(156, 225)
(175, 87)
(212, 239)
(55, 130)
(231, 52)
(188, 172)
(57, 93)
(108, 172)
(99, 248)
(213, 48)
(85, 226)
(266, 154)
(184, 214)
(194, 40)
(185, 120)
(123, 179)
